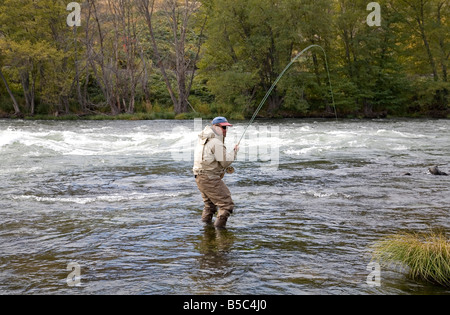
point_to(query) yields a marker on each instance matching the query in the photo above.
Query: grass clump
(426, 256)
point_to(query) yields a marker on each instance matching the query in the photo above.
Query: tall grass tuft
(426, 256)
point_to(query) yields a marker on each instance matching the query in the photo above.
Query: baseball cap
(221, 121)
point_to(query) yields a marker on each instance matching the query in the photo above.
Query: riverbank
(233, 116)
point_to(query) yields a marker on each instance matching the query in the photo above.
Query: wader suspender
(203, 150)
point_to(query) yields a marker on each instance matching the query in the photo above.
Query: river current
(118, 200)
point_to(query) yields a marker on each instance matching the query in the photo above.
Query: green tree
(426, 30)
(8, 89)
(371, 78)
(34, 48)
(249, 44)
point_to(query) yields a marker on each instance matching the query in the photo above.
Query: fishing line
(279, 78)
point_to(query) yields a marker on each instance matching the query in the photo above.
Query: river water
(118, 200)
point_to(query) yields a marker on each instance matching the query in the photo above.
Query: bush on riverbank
(136, 116)
(426, 256)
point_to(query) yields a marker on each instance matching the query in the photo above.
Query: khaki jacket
(211, 157)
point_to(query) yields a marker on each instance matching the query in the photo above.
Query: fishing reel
(230, 170)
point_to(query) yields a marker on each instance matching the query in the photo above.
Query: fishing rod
(279, 78)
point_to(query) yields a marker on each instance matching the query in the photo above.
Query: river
(118, 200)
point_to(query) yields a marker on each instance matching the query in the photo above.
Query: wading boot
(207, 217)
(220, 222)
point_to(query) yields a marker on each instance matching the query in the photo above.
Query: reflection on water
(110, 197)
(214, 246)
(215, 263)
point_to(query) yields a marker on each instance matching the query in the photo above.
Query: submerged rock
(435, 171)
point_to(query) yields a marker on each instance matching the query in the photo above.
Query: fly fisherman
(210, 162)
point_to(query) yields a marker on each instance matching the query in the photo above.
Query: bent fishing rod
(279, 78)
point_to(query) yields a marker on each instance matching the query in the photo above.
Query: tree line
(219, 57)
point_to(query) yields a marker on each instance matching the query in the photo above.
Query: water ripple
(110, 197)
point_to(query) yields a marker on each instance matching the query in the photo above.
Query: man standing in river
(210, 162)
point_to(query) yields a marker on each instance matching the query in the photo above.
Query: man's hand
(236, 148)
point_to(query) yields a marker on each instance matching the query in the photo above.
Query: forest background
(146, 59)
